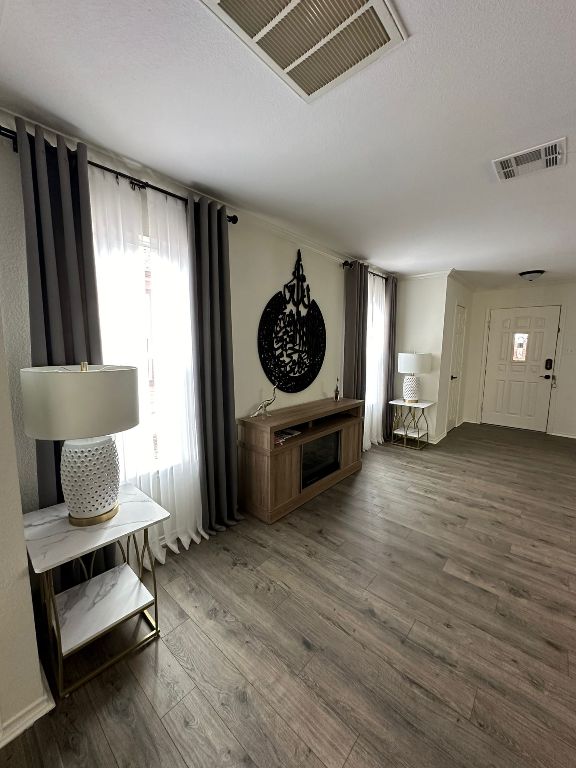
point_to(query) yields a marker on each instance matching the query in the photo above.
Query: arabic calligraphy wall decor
(292, 335)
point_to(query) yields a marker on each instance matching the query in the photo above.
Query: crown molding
(426, 275)
(289, 234)
(458, 277)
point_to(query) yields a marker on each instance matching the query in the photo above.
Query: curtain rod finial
(232, 219)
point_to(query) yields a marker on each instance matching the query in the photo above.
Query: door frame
(484, 363)
(461, 396)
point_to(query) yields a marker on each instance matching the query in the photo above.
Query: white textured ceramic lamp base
(90, 475)
(410, 389)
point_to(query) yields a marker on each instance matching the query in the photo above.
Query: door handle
(546, 376)
(453, 377)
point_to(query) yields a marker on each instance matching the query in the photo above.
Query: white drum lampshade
(412, 363)
(82, 405)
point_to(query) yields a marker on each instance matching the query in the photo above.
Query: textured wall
(14, 311)
(21, 688)
(420, 328)
(261, 262)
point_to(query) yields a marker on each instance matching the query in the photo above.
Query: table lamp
(412, 363)
(83, 404)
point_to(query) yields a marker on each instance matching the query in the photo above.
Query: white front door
(456, 366)
(520, 366)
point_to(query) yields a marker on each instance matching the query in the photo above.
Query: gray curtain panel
(355, 321)
(208, 238)
(389, 354)
(63, 302)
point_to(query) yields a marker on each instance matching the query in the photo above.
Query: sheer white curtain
(375, 348)
(145, 306)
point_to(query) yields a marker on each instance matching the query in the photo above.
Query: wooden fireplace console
(272, 479)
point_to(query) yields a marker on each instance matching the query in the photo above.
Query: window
(146, 310)
(520, 347)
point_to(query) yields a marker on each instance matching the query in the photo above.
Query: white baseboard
(435, 440)
(553, 434)
(27, 717)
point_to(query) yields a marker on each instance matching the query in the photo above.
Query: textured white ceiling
(393, 165)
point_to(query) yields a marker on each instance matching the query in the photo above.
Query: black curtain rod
(135, 183)
(7, 133)
(350, 264)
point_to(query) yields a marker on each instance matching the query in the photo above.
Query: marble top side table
(89, 610)
(410, 428)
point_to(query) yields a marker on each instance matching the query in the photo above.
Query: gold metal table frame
(410, 429)
(48, 597)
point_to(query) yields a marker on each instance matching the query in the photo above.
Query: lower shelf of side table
(88, 610)
(411, 432)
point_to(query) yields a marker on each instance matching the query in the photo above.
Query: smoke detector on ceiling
(544, 156)
(531, 274)
(313, 44)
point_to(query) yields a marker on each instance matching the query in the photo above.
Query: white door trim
(462, 368)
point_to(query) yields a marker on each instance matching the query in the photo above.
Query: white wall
(14, 310)
(420, 328)
(262, 258)
(22, 694)
(562, 419)
(456, 294)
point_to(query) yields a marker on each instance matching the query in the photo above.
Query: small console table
(293, 454)
(89, 610)
(410, 428)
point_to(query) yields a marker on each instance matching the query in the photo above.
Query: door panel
(456, 366)
(516, 394)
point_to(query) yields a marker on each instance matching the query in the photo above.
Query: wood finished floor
(421, 614)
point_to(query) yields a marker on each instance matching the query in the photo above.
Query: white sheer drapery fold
(146, 311)
(375, 346)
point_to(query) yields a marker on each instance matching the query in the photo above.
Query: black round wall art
(292, 335)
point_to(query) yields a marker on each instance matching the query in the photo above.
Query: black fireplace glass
(320, 458)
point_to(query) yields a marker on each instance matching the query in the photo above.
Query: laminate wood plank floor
(420, 614)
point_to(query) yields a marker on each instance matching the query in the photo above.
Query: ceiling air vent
(313, 44)
(538, 158)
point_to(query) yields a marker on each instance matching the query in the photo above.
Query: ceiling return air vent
(538, 158)
(313, 44)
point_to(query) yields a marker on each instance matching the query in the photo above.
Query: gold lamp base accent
(84, 521)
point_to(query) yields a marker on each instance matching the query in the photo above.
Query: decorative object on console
(82, 404)
(412, 363)
(262, 409)
(292, 335)
(337, 390)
